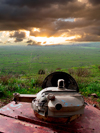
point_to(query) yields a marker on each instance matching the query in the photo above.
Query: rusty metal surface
(13, 116)
(23, 97)
(14, 110)
(9, 125)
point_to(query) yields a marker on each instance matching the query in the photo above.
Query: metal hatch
(51, 81)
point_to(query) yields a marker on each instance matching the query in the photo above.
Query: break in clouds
(53, 18)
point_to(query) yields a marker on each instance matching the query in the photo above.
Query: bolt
(94, 105)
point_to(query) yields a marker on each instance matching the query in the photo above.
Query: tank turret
(59, 98)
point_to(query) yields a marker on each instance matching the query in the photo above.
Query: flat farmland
(29, 59)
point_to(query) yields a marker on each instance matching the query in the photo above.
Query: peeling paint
(17, 106)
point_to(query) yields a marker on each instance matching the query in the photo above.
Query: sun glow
(77, 36)
(63, 39)
(5, 34)
(36, 29)
(52, 40)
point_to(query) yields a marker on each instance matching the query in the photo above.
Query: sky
(48, 22)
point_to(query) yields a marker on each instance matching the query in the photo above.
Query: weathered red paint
(16, 118)
(9, 125)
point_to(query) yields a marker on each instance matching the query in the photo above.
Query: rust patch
(87, 123)
(56, 120)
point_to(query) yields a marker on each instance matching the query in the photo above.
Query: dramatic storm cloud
(18, 35)
(78, 19)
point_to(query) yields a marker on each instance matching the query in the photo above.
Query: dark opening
(58, 106)
(61, 84)
(52, 81)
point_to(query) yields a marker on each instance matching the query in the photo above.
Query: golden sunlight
(52, 40)
(40, 40)
(5, 34)
(77, 36)
(36, 29)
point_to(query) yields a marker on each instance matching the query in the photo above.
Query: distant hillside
(24, 59)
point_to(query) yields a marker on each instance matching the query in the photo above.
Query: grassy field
(19, 67)
(87, 78)
(29, 59)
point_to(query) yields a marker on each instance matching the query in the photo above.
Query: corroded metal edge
(56, 120)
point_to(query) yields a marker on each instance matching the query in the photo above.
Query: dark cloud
(18, 40)
(64, 27)
(14, 17)
(86, 38)
(96, 2)
(35, 3)
(29, 41)
(51, 17)
(33, 43)
(86, 34)
(19, 36)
